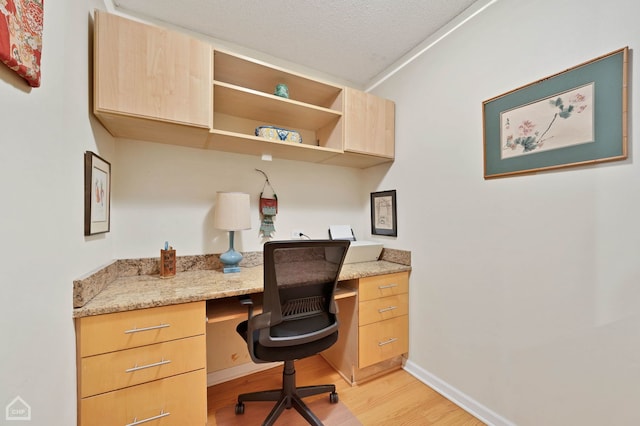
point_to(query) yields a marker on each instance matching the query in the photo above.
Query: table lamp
(231, 213)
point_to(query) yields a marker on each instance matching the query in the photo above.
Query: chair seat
(301, 325)
(271, 354)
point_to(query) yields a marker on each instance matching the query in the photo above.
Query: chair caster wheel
(333, 397)
(240, 408)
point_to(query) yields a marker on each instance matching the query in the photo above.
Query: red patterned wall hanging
(21, 37)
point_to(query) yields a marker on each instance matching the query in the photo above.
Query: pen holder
(167, 263)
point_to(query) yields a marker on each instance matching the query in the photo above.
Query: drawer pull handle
(139, 422)
(382, 287)
(386, 342)
(390, 308)
(142, 367)
(153, 327)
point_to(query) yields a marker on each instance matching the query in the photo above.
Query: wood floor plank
(396, 398)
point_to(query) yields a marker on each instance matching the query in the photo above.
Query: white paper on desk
(341, 232)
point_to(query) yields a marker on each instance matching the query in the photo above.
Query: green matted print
(575, 117)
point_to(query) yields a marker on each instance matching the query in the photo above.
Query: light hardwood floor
(394, 399)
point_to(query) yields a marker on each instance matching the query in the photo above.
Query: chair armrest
(260, 321)
(246, 301)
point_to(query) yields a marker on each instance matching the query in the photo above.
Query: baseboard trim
(456, 396)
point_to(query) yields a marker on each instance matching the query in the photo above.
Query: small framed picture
(383, 213)
(97, 194)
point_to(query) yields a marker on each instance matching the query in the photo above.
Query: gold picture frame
(572, 118)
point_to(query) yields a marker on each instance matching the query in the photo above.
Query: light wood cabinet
(382, 340)
(382, 308)
(369, 129)
(151, 83)
(143, 364)
(176, 401)
(369, 124)
(374, 330)
(164, 86)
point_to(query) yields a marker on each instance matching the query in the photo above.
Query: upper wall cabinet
(370, 124)
(151, 83)
(162, 86)
(369, 135)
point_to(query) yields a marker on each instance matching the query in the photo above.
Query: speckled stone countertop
(125, 291)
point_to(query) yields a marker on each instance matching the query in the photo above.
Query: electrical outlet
(297, 234)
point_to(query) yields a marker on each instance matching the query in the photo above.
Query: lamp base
(231, 258)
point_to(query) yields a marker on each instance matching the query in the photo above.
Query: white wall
(44, 133)
(165, 192)
(525, 303)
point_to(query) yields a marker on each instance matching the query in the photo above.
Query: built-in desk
(144, 342)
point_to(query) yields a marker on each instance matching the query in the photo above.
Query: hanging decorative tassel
(268, 209)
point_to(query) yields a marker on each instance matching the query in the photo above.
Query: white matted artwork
(97, 194)
(559, 121)
(383, 213)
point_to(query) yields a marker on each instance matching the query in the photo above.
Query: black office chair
(298, 318)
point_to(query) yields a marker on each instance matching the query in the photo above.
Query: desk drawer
(123, 330)
(383, 340)
(116, 370)
(383, 308)
(383, 285)
(178, 400)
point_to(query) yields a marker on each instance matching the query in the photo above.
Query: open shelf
(219, 310)
(243, 100)
(229, 308)
(250, 73)
(253, 145)
(248, 103)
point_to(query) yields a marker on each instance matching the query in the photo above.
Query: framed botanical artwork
(97, 194)
(573, 118)
(383, 213)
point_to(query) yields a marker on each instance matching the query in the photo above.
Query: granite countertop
(129, 292)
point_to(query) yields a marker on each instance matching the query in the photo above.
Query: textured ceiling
(353, 40)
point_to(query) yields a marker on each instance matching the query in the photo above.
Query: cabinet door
(120, 369)
(370, 124)
(383, 340)
(124, 330)
(383, 308)
(386, 285)
(179, 400)
(150, 72)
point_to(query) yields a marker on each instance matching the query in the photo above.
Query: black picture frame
(97, 194)
(384, 219)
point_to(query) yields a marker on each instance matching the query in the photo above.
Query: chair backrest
(300, 279)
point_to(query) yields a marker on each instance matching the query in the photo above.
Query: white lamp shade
(232, 211)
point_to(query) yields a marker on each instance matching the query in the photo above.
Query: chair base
(289, 396)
